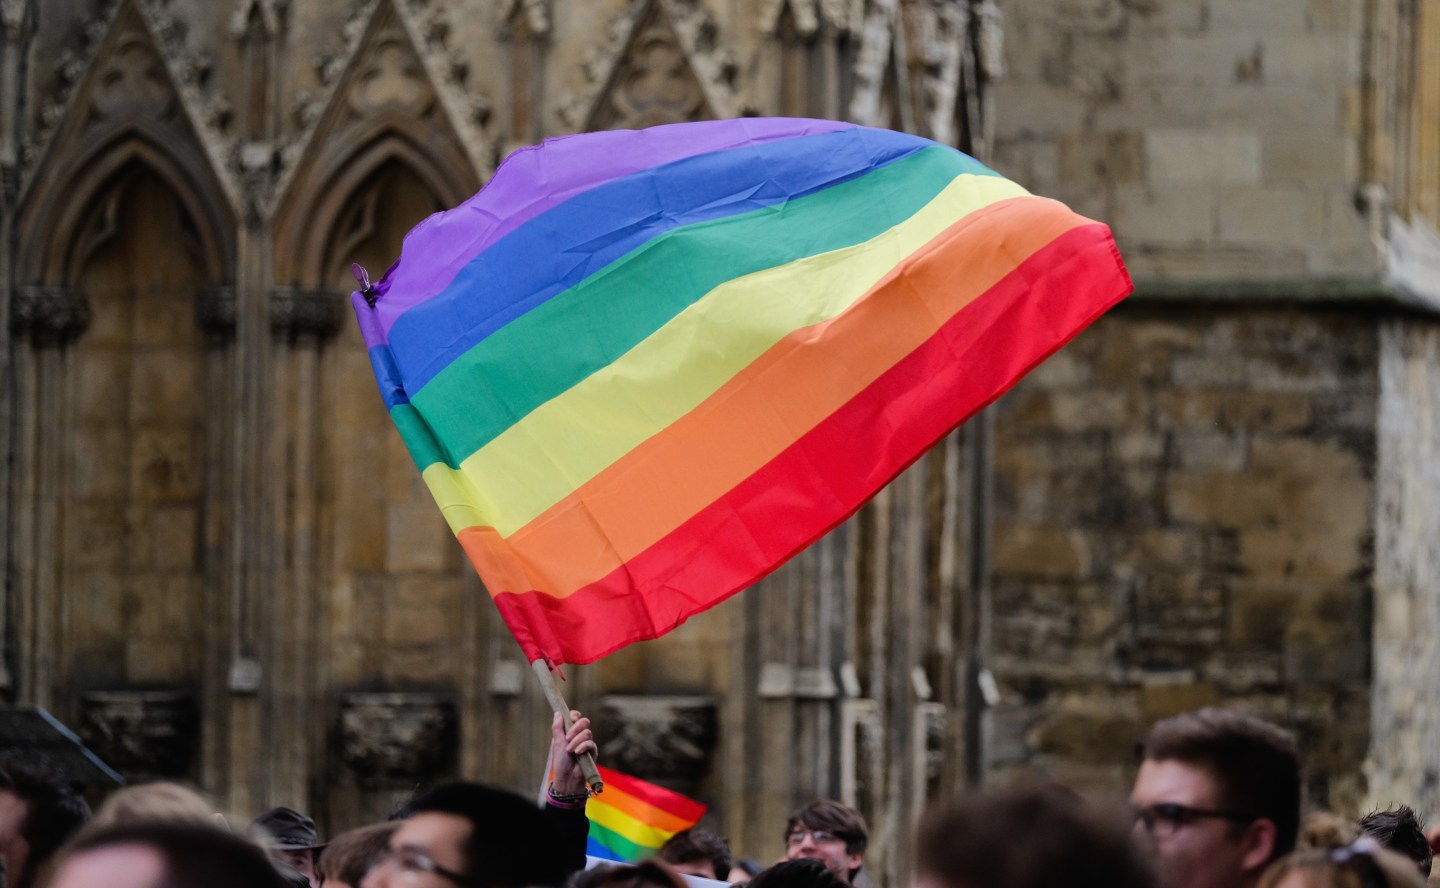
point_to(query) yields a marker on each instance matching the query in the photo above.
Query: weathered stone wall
(1405, 764)
(1184, 517)
(1220, 139)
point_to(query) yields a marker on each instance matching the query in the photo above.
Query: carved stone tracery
(49, 315)
(392, 79)
(660, 63)
(306, 313)
(666, 739)
(534, 15)
(141, 733)
(133, 82)
(405, 737)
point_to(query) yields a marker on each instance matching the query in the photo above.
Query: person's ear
(1258, 844)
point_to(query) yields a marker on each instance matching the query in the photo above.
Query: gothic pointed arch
(661, 65)
(127, 113)
(386, 109)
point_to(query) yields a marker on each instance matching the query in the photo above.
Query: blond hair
(156, 802)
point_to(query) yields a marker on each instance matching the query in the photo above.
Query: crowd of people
(1216, 803)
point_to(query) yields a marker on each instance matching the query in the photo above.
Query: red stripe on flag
(823, 478)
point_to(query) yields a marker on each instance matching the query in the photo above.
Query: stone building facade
(221, 566)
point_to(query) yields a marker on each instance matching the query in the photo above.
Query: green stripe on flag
(623, 847)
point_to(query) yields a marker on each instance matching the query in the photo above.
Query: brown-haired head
(841, 821)
(349, 855)
(690, 847)
(1254, 763)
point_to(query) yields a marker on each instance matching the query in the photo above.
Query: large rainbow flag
(641, 369)
(633, 818)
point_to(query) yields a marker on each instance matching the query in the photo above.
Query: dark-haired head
(1255, 764)
(479, 835)
(650, 873)
(47, 811)
(697, 852)
(1401, 831)
(1068, 843)
(802, 872)
(830, 831)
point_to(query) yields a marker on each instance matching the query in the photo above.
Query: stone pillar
(46, 319)
(301, 322)
(1404, 760)
(16, 24)
(253, 556)
(215, 313)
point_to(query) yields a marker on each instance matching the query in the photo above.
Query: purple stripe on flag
(437, 248)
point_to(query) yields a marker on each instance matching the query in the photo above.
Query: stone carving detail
(141, 733)
(534, 14)
(312, 313)
(842, 16)
(215, 311)
(12, 17)
(382, 39)
(133, 82)
(658, 63)
(392, 78)
(148, 71)
(269, 13)
(397, 736)
(49, 315)
(935, 36)
(666, 739)
(877, 54)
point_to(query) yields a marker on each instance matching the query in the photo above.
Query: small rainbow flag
(632, 818)
(642, 369)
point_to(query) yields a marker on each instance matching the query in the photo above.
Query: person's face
(14, 850)
(421, 852)
(702, 868)
(303, 859)
(819, 845)
(1195, 851)
(113, 866)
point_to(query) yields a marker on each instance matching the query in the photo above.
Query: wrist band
(566, 800)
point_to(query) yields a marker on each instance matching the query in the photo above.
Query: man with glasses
(830, 832)
(1218, 795)
(468, 834)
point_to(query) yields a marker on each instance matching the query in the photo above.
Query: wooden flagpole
(557, 703)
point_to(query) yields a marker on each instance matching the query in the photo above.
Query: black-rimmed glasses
(1165, 819)
(818, 836)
